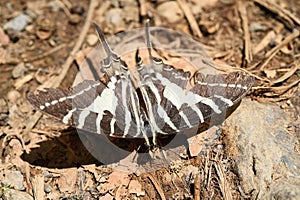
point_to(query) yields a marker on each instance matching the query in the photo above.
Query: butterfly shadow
(74, 148)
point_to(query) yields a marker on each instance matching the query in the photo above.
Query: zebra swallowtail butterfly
(146, 101)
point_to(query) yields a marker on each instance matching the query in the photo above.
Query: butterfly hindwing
(175, 107)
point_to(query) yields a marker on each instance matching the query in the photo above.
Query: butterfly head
(112, 64)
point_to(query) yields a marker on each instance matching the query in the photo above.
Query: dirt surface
(41, 45)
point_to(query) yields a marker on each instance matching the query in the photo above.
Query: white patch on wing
(231, 85)
(98, 121)
(178, 96)
(81, 118)
(227, 101)
(54, 102)
(106, 101)
(62, 99)
(127, 113)
(161, 112)
(198, 111)
(112, 126)
(186, 120)
(68, 116)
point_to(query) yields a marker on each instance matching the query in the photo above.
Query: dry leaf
(271, 73)
(136, 188)
(67, 181)
(115, 179)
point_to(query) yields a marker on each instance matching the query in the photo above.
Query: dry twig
(247, 41)
(190, 17)
(284, 42)
(197, 188)
(40, 56)
(287, 17)
(271, 53)
(264, 42)
(157, 186)
(225, 189)
(288, 74)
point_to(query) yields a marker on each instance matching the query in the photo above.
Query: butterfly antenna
(148, 42)
(102, 39)
(106, 47)
(154, 60)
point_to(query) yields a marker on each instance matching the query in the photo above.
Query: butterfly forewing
(94, 107)
(52, 100)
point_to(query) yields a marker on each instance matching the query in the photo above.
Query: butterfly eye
(139, 60)
(123, 64)
(157, 61)
(106, 63)
(167, 68)
(115, 57)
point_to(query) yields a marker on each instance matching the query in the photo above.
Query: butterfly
(148, 101)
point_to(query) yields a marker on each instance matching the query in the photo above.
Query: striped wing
(174, 108)
(94, 107)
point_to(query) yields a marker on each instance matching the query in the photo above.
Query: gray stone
(13, 179)
(47, 188)
(263, 151)
(19, 70)
(11, 194)
(18, 23)
(114, 16)
(257, 26)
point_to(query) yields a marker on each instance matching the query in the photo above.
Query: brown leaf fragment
(38, 186)
(66, 183)
(136, 188)
(114, 180)
(271, 73)
(288, 74)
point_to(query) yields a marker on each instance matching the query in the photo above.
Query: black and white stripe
(164, 100)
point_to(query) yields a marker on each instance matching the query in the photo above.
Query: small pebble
(257, 26)
(47, 188)
(4, 39)
(13, 96)
(114, 16)
(47, 174)
(92, 39)
(18, 23)
(171, 11)
(19, 70)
